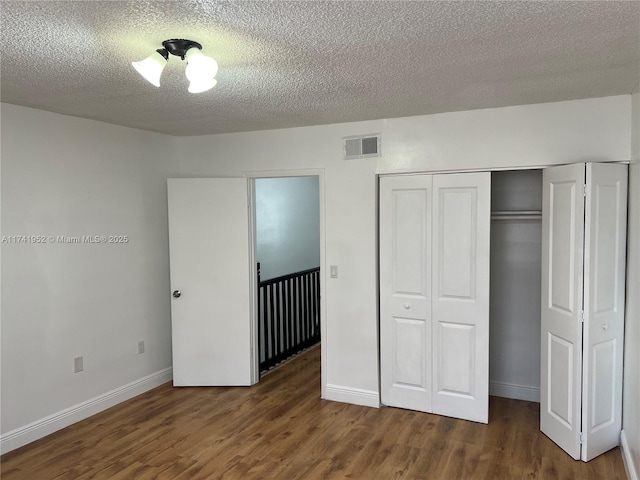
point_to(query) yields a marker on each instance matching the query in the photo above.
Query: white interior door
(604, 292)
(562, 290)
(209, 245)
(460, 295)
(405, 291)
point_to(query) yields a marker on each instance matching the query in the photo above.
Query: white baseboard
(627, 457)
(518, 392)
(57, 421)
(356, 396)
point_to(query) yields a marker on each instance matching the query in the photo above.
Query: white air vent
(363, 146)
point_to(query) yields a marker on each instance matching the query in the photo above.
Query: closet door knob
(605, 326)
(407, 306)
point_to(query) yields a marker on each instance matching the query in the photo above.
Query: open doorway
(287, 240)
(212, 240)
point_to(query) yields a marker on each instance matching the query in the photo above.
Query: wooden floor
(281, 429)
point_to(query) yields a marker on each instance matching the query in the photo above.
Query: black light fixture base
(179, 46)
(163, 52)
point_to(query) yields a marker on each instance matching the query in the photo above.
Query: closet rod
(531, 215)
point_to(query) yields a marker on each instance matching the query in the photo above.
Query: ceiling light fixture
(151, 67)
(200, 70)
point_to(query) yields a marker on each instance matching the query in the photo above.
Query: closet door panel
(604, 294)
(405, 291)
(460, 272)
(561, 328)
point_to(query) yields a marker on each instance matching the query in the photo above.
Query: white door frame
(306, 172)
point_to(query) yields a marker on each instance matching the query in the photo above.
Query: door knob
(605, 326)
(176, 294)
(407, 306)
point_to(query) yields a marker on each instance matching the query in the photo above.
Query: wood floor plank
(281, 429)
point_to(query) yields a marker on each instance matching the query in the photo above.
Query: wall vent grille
(363, 146)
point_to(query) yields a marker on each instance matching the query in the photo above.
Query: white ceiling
(285, 64)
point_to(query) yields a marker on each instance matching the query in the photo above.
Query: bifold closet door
(405, 291)
(460, 295)
(562, 281)
(604, 295)
(583, 282)
(434, 293)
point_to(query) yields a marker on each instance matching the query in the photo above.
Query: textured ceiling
(285, 64)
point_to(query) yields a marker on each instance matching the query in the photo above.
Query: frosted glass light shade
(202, 85)
(200, 71)
(151, 67)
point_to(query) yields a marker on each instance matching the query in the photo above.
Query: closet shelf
(516, 215)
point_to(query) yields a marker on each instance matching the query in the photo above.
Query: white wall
(586, 130)
(287, 225)
(631, 393)
(531, 135)
(68, 176)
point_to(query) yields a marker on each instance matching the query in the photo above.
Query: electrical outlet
(140, 347)
(78, 364)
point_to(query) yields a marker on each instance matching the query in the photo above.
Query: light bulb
(151, 67)
(200, 70)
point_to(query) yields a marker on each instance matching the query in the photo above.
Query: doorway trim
(252, 176)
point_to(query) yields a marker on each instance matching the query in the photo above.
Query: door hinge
(581, 316)
(581, 438)
(584, 190)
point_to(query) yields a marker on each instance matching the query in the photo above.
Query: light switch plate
(78, 364)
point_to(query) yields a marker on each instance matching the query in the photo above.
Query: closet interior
(514, 297)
